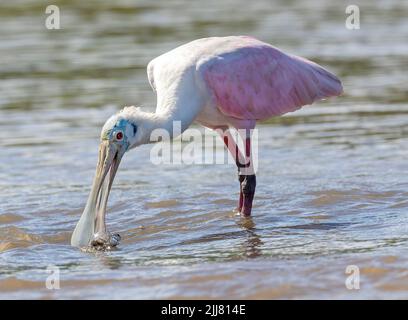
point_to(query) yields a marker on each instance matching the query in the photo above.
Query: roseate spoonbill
(217, 82)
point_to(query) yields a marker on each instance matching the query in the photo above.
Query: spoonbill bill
(219, 83)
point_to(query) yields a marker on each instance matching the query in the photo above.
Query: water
(332, 188)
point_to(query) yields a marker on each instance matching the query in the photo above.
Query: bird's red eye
(119, 136)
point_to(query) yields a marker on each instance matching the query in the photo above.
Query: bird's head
(118, 135)
(121, 132)
(125, 129)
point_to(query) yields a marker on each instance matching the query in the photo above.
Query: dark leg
(238, 158)
(246, 176)
(241, 195)
(248, 186)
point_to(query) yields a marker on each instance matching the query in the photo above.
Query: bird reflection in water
(252, 244)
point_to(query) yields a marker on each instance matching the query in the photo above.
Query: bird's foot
(105, 241)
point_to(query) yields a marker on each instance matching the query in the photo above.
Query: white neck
(179, 101)
(168, 122)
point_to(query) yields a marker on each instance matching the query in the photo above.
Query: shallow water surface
(332, 183)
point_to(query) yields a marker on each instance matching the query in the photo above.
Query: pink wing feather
(258, 81)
